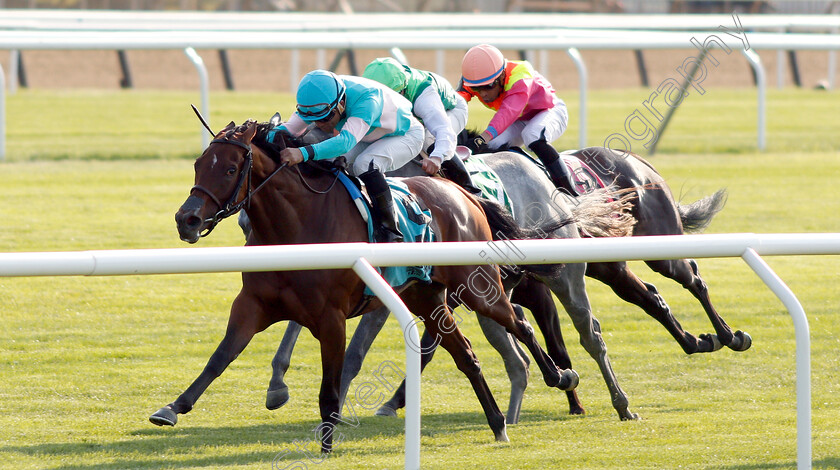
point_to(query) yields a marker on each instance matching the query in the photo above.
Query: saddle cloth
(415, 225)
(484, 178)
(585, 178)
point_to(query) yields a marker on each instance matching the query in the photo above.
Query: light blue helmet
(318, 93)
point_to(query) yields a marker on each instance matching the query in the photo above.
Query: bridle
(231, 206)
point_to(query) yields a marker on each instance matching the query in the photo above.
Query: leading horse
(236, 171)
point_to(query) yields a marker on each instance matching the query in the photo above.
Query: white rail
(104, 20)
(357, 256)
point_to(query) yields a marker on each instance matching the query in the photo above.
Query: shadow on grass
(828, 462)
(180, 447)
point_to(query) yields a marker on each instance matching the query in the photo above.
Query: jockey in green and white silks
(370, 124)
(435, 102)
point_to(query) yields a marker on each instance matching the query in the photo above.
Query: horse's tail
(505, 227)
(697, 216)
(604, 212)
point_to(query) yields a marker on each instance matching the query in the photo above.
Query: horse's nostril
(193, 221)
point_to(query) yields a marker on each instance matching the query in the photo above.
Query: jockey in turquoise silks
(527, 109)
(370, 124)
(441, 110)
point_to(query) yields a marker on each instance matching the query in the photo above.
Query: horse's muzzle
(189, 219)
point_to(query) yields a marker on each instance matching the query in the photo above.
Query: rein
(231, 206)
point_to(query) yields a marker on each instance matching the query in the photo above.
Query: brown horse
(282, 203)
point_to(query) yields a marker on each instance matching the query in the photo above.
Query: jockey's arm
(429, 108)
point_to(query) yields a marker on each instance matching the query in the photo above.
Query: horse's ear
(250, 131)
(222, 132)
(275, 120)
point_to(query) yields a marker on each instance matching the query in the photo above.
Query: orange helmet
(481, 65)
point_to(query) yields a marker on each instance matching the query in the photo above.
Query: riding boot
(557, 170)
(454, 170)
(385, 221)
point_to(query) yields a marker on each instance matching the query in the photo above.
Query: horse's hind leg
(246, 320)
(536, 297)
(428, 345)
(483, 297)
(571, 291)
(632, 289)
(431, 307)
(278, 391)
(686, 272)
(515, 360)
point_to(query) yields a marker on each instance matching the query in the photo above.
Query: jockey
(371, 125)
(527, 109)
(441, 110)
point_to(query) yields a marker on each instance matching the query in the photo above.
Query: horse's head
(222, 181)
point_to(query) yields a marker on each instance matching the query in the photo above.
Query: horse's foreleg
(571, 291)
(516, 363)
(241, 328)
(331, 335)
(686, 272)
(278, 391)
(369, 327)
(536, 297)
(633, 290)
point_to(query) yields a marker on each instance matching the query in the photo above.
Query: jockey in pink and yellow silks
(528, 112)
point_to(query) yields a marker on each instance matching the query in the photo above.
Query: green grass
(85, 361)
(51, 125)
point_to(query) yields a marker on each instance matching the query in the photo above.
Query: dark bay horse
(656, 213)
(236, 170)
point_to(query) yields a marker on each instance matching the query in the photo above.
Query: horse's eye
(231, 171)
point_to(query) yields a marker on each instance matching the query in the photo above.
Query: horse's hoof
(628, 416)
(501, 436)
(276, 398)
(578, 410)
(741, 342)
(164, 417)
(713, 340)
(569, 380)
(386, 410)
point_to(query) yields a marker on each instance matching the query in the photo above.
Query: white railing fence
(54, 30)
(362, 256)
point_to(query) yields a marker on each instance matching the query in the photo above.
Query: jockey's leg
(557, 170)
(383, 206)
(539, 132)
(386, 154)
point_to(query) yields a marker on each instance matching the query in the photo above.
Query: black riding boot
(385, 223)
(454, 170)
(557, 170)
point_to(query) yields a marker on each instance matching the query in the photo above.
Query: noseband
(231, 206)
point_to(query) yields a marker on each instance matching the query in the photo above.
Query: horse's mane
(272, 150)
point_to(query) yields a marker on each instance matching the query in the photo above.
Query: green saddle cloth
(487, 181)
